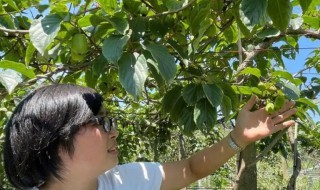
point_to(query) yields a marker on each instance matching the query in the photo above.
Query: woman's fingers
(283, 125)
(284, 108)
(279, 118)
(250, 103)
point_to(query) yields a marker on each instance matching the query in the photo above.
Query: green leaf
(90, 20)
(251, 71)
(252, 12)
(177, 109)
(43, 31)
(170, 98)
(205, 116)
(133, 72)
(173, 5)
(180, 50)
(9, 80)
(113, 47)
(153, 67)
(285, 75)
(6, 21)
(99, 65)
(292, 41)
(90, 78)
(268, 32)
(280, 12)
(296, 23)
(290, 90)
(245, 29)
(19, 67)
(192, 93)
(228, 91)
(108, 5)
(226, 106)
(213, 93)
(309, 104)
(196, 21)
(121, 24)
(138, 27)
(166, 63)
(246, 90)
(29, 53)
(186, 121)
(305, 5)
(314, 22)
(12, 4)
(231, 34)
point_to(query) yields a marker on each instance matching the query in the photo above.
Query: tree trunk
(296, 158)
(246, 176)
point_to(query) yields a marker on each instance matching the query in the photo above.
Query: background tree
(167, 69)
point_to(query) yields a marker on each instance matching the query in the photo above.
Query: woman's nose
(113, 133)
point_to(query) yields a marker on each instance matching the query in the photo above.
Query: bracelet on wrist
(232, 143)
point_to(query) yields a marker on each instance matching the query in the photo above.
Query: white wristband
(232, 143)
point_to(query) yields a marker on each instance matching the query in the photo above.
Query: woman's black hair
(43, 123)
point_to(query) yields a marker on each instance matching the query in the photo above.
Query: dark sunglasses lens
(107, 125)
(114, 123)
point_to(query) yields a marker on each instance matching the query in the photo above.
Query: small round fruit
(279, 102)
(77, 57)
(270, 108)
(79, 44)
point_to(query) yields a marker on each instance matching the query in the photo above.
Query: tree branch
(269, 41)
(296, 158)
(257, 49)
(301, 71)
(305, 32)
(14, 31)
(268, 148)
(172, 12)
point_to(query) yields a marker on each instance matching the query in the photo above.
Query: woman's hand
(255, 125)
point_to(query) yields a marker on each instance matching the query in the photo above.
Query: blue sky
(294, 66)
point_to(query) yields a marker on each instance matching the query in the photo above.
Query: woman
(59, 137)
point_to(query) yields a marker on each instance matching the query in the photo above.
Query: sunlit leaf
(19, 67)
(9, 80)
(290, 90)
(43, 31)
(108, 5)
(252, 71)
(246, 90)
(12, 4)
(309, 103)
(296, 23)
(285, 75)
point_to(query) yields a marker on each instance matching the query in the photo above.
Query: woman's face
(95, 150)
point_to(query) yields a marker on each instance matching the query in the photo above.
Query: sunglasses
(107, 123)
